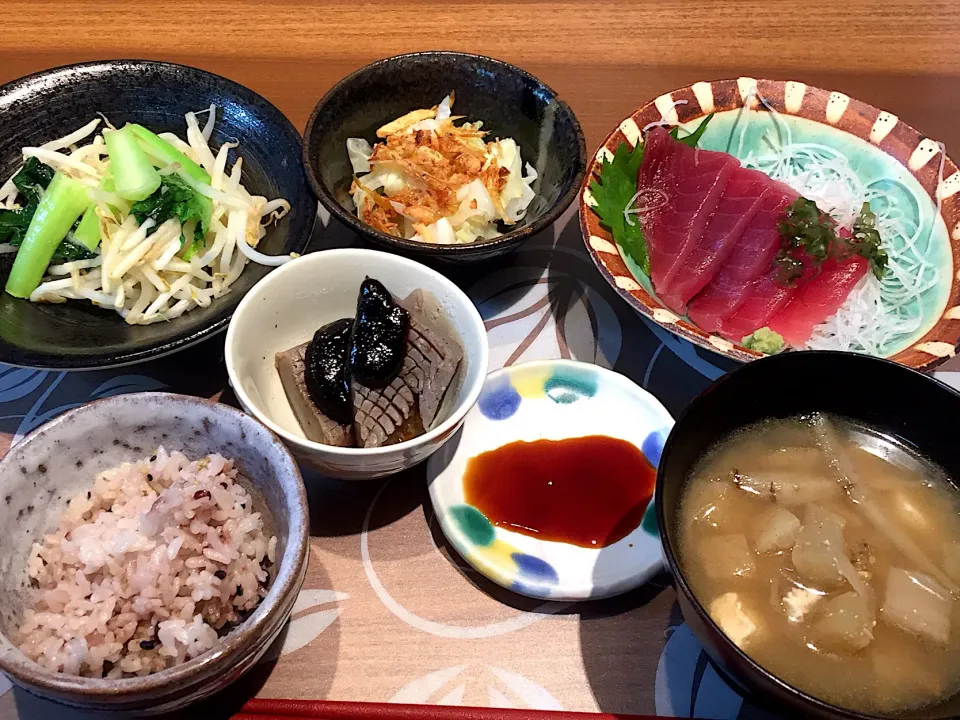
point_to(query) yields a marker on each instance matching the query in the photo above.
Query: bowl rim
(441, 430)
(606, 253)
(279, 599)
(47, 361)
(671, 553)
(326, 198)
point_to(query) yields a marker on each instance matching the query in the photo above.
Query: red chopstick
(260, 709)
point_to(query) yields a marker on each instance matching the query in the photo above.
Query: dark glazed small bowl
(76, 335)
(894, 400)
(509, 101)
(61, 459)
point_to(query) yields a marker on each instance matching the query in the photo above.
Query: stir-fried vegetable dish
(149, 225)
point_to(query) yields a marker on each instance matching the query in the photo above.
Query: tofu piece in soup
(727, 557)
(737, 622)
(716, 504)
(845, 623)
(776, 529)
(819, 543)
(918, 604)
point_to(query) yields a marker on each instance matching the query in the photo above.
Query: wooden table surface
(604, 57)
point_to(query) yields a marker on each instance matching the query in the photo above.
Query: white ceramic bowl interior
(289, 305)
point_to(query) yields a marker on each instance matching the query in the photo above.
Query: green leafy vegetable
(174, 198)
(68, 251)
(763, 340)
(615, 188)
(31, 180)
(133, 174)
(166, 154)
(810, 237)
(62, 204)
(14, 223)
(693, 139)
(613, 191)
(196, 246)
(866, 240)
(87, 232)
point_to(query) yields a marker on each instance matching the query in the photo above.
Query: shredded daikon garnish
(878, 312)
(148, 273)
(661, 122)
(648, 199)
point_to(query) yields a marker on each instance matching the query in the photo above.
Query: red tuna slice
(751, 258)
(738, 204)
(693, 181)
(818, 299)
(766, 298)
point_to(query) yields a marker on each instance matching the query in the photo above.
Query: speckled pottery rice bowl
(160, 545)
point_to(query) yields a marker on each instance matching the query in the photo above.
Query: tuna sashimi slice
(693, 181)
(767, 296)
(739, 203)
(751, 258)
(818, 299)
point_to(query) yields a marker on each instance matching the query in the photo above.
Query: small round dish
(509, 101)
(555, 400)
(76, 335)
(288, 306)
(878, 146)
(59, 460)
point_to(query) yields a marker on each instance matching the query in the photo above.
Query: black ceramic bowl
(41, 107)
(896, 401)
(509, 101)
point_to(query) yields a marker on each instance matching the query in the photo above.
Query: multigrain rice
(147, 570)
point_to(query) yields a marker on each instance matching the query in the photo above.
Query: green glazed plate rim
(917, 153)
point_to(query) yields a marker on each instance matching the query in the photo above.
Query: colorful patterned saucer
(555, 400)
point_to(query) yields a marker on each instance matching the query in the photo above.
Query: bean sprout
(144, 272)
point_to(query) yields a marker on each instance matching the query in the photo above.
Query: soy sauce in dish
(587, 491)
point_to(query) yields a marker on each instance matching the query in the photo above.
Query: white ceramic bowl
(289, 305)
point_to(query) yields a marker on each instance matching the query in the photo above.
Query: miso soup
(831, 556)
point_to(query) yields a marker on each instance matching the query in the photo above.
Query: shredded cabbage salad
(877, 312)
(432, 181)
(150, 255)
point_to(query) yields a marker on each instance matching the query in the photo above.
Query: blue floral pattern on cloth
(19, 386)
(687, 685)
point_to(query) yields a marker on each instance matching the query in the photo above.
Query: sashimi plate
(890, 160)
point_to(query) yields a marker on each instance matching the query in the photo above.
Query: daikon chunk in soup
(831, 556)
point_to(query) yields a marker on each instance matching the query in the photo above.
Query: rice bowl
(56, 463)
(147, 569)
